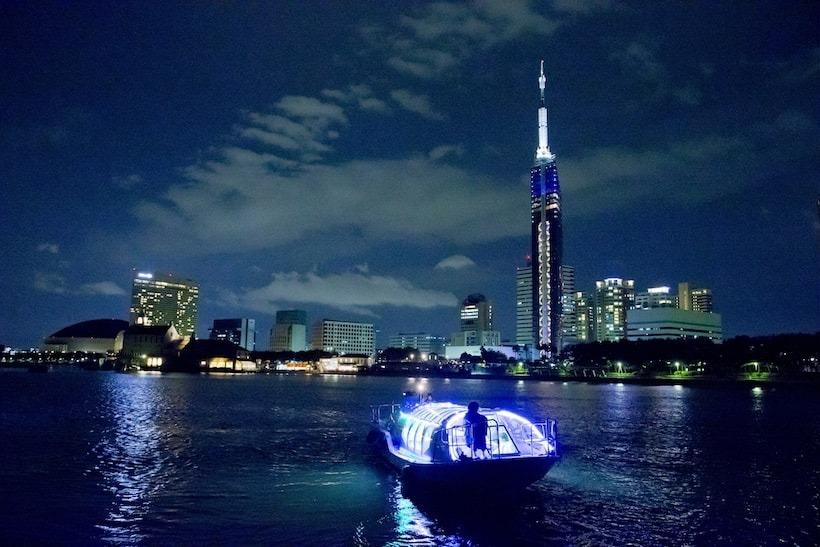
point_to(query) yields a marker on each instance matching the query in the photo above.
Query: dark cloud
(356, 292)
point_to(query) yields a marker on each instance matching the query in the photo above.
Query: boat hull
(496, 475)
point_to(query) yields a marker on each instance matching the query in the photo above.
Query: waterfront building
(694, 298)
(422, 341)
(289, 333)
(546, 238)
(163, 299)
(520, 353)
(345, 364)
(670, 323)
(215, 355)
(584, 317)
(94, 336)
(476, 323)
(344, 337)
(569, 320)
(655, 297)
(613, 297)
(241, 332)
(523, 306)
(476, 338)
(149, 346)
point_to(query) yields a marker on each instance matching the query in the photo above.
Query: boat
(429, 444)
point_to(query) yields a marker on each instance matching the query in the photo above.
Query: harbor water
(98, 457)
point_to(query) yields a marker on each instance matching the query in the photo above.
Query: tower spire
(542, 153)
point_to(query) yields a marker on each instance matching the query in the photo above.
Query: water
(102, 457)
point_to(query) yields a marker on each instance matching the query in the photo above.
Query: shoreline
(694, 381)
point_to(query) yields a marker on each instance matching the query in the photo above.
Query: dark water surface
(102, 457)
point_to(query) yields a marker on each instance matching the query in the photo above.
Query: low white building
(521, 353)
(671, 323)
(344, 337)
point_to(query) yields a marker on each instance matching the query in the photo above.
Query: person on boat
(475, 430)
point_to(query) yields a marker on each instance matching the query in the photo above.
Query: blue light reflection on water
(144, 459)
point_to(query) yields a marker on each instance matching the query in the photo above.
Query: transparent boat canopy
(437, 432)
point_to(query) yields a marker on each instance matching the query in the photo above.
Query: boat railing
(541, 439)
(381, 413)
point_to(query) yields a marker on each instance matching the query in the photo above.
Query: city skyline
(116, 156)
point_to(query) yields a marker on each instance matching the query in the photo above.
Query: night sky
(369, 163)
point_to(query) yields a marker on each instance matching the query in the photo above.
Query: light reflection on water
(281, 460)
(129, 460)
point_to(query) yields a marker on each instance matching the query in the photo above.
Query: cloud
(794, 121)
(104, 288)
(54, 283)
(684, 172)
(455, 262)
(244, 201)
(360, 95)
(50, 283)
(446, 150)
(51, 248)
(582, 7)
(420, 104)
(641, 65)
(356, 292)
(436, 38)
(302, 128)
(311, 109)
(127, 182)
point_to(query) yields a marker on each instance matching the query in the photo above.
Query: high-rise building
(344, 337)
(476, 313)
(289, 333)
(163, 299)
(613, 297)
(584, 317)
(569, 320)
(241, 332)
(523, 306)
(422, 341)
(694, 298)
(476, 323)
(546, 238)
(655, 297)
(670, 323)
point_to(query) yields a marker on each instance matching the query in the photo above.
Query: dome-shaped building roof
(95, 328)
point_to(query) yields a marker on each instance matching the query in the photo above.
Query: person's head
(472, 407)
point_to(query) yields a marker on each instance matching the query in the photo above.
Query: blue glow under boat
(430, 444)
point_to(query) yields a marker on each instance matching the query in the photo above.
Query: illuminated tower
(165, 300)
(547, 240)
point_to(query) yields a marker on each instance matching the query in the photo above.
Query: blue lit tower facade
(547, 239)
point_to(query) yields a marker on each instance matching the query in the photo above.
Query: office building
(694, 298)
(476, 323)
(422, 341)
(289, 333)
(569, 321)
(523, 306)
(584, 317)
(546, 238)
(344, 337)
(476, 313)
(241, 332)
(655, 297)
(163, 299)
(671, 323)
(613, 297)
